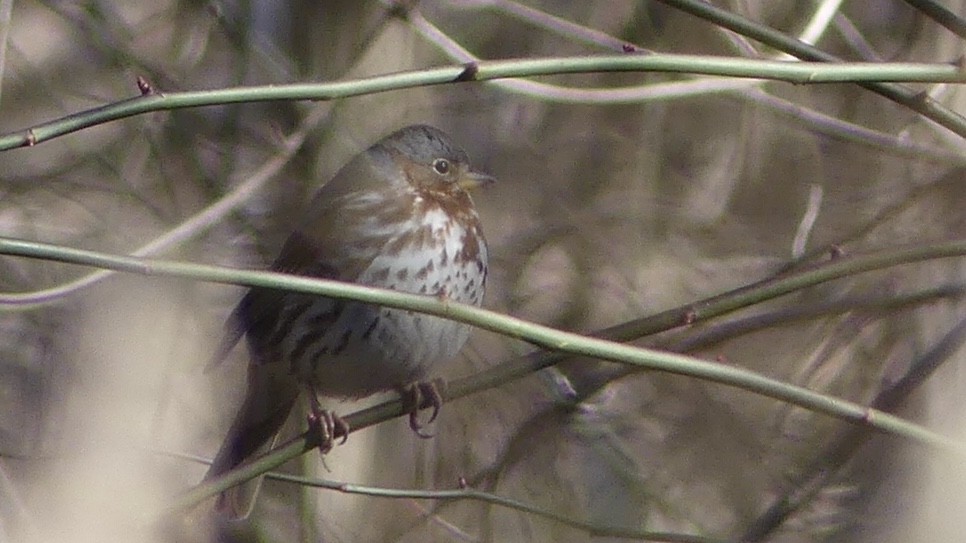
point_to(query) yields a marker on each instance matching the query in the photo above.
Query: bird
(398, 215)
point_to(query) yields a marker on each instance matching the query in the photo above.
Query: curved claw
(327, 425)
(417, 426)
(430, 392)
(415, 396)
(340, 426)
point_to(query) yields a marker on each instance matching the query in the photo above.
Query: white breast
(399, 346)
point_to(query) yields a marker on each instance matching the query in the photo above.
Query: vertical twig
(6, 7)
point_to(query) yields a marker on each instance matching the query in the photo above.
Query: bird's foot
(326, 425)
(420, 395)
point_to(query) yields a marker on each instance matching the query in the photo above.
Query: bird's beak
(471, 180)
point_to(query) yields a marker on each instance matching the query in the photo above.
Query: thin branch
(915, 101)
(471, 494)
(703, 339)
(495, 499)
(187, 229)
(941, 15)
(543, 336)
(6, 9)
(815, 193)
(829, 462)
(820, 22)
(846, 131)
(703, 86)
(558, 25)
(557, 340)
(793, 72)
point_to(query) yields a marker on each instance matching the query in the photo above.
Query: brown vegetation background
(604, 213)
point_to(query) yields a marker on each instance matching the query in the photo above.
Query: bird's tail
(272, 391)
(234, 331)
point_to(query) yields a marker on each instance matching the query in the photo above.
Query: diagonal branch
(543, 336)
(916, 101)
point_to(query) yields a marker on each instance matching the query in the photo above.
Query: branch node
(401, 8)
(470, 69)
(144, 86)
(690, 316)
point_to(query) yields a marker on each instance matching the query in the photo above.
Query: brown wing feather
(321, 233)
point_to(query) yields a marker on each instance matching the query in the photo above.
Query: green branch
(542, 336)
(917, 101)
(495, 499)
(824, 467)
(793, 72)
(465, 492)
(941, 15)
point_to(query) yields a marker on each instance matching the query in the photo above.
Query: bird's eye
(441, 165)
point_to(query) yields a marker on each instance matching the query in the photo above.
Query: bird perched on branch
(397, 216)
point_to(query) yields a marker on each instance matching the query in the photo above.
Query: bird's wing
(328, 245)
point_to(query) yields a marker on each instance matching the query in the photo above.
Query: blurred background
(607, 210)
